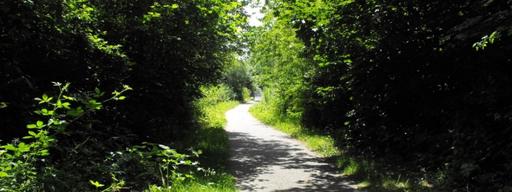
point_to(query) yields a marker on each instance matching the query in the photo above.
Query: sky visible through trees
(253, 10)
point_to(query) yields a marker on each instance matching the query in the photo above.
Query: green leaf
(3, 174)
(66, 86)
(10, 147)
(127, 87)
(96, 184)
(40, 124)
(58, 104)
(121, 98)
(93, 104)
(22, 147)
(3, 105)
(32, 133)
(69, 98)
(46, 112)
(75, 112)
(44, 152)
(56, 84)
(98, 92)
(55, 121)
(163, 147)
(31, 126)
(66, 105)
(44, 99)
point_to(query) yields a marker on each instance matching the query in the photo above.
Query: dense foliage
(238, 78)
(421, 86)
(278, 65)
(164, 49)
(420, 83)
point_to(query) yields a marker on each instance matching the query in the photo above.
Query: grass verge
(321, 144)
(368, 174)
(212, 140)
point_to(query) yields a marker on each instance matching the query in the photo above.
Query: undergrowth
(212, 140)
(29, 163)
(368, 174)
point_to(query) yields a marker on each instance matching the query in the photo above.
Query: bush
(246, 94)
(158, 46)
(214, 94)
(24, 164)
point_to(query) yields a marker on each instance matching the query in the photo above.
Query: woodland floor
(264, 159)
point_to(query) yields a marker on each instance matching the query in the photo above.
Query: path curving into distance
(264, 159)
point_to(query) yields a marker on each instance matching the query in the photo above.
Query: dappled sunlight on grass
(322, 144)
(351, 169)
(220, 182)
(212, 140)
(363, 185)
(211, 135)
(396, 185)
(213, 115)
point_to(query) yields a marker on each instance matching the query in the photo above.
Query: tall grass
(322, 144)
(212, 140)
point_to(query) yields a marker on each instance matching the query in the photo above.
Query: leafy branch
(18, 160)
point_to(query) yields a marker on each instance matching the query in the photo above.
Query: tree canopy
(420, 86)
(422, 83)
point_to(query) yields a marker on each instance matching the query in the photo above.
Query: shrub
(23, 164)
(246, 94)
(214, 94)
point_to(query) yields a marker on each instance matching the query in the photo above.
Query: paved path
(263, 159)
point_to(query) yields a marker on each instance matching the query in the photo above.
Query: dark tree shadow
(253, 157)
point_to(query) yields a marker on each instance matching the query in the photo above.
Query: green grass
(212, 140)
(322, 144)
(220, 182)
(367, 173)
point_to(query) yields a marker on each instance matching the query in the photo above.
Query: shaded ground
(263, 159)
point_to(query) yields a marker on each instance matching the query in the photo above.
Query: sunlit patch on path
(263, 159)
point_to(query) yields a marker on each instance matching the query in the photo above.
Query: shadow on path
(267, 160)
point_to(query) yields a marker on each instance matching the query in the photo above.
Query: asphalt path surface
(264, 159)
